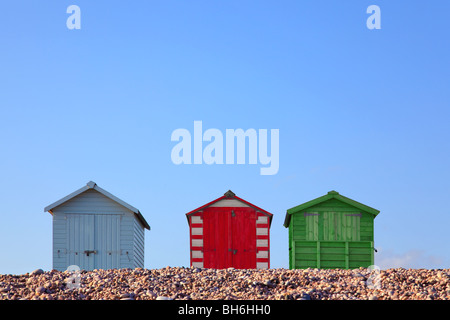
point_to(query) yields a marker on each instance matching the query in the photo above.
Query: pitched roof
(330, 195)
(94, 186)
(230, 195)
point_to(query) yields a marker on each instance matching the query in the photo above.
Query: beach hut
(331, 231)
(229, 232)
(93, 229)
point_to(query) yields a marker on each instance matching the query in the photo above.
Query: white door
(80, 240)
(93, 241)
(107, 241)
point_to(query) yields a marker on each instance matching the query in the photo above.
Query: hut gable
(229, 199)
(91, 201)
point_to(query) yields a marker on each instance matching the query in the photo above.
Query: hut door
(107, 241)
(312, 226)
(216, 227)
(93, 241)
(229, 237)
(80, 238)
(243, 241)
(341, 226)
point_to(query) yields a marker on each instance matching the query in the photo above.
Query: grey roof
(93, 185)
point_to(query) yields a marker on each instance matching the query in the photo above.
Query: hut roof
(94, 186)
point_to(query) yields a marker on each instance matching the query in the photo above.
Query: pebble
(37, 272)
(40, 290)
(163, 298)
(179, 283)
(305, 297)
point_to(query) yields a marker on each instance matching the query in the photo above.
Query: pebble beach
(180, 283)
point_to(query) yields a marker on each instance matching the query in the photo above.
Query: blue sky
(363, 112)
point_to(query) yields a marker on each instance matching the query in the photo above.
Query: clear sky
(363, 112)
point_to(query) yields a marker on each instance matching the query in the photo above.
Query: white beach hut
(93, 229)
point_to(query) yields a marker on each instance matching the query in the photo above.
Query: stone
(163, 298)
(37, 272)
(306, 297)
(40, 290)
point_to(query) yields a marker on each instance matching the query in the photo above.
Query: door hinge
(310, 214)
(353, 215)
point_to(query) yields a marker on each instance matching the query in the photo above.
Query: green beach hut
(331, 232)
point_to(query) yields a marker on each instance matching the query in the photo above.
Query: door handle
(87, 252)
(233, 251)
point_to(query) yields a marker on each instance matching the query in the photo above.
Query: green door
(312, 226)
(341, 226)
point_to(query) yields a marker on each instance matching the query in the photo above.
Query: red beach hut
(230, 232)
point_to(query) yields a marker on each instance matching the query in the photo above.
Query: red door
(229, 238)
(215, 238)
(244, 238)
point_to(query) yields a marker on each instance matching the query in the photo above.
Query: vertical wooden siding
(139, 241)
